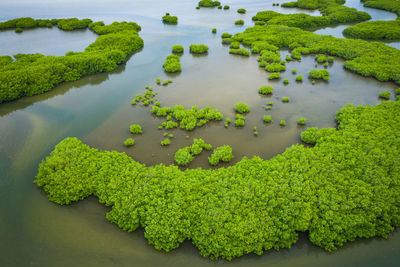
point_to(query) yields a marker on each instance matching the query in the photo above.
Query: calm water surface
(96, 109)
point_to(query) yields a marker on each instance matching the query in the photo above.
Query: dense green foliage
(188, 118)
(265, 90)
(240, 51)
(166, 142)
(32, 74)
(209, 3)
(226, 35)
(332, 13)
(299, 78)
(286, 81)
(319, 74)
(241, 11)
(274, 75)
(267, 118)
(345, 187)
(168, 19)
(241, 107)
(374, 30)
(198, 48)
(214, 30)
(285, 99)
(221, 153)
(235, 45)
(275, 67)
(185, 155)
(302, 121)
(389, 5)
(363, 57)
(239, 120)
(73, 24)
(385, 95)
(226, 7)
(129, 142)
(177, 49)
(239, 22)
(135, 129)
(26, 22)
(282, 123)
(172, 64)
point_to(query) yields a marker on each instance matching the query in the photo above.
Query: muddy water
(96, 109)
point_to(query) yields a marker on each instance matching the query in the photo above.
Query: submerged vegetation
(254, 205)
(32, 74)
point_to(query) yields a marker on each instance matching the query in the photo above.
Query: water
(96, 109)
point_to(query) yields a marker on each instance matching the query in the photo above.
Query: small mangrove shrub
(282, 123)
(177, 49)
(299, 78)
(285, 99)
(172, 64)
(274, 75)
(286, 81)
(198, 48)
(222, 153)
(267, 118)
(135, 129)
(241, 107)
(241, 11)
(239, 121)
(240, 51)
(168, 19)
(129, 142)
(319, 74)
(385, 95)
(239, 22)
(302, 121)
(166, 142)
(265, 90)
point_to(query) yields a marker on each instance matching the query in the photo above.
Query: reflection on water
(47, 41)
(96, 109)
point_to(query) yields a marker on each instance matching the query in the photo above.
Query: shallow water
(96, 109)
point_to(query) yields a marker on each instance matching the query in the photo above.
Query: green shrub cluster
(209, 3)
(185, 155)
(146, 99)
(177, 49)
(100, 28)
(214, 30)
(302, 121)
(221, 153)
(299, 78)
(285, 99)
(166, 142)
(267, 118)
(198, 48)
(27, 22)
(226, 7)
(385, 95)
(319, 74)
(35, 73)
(365, 58)
(188, 118)
(172, 64)
(227, 40)
(226, 35)
(275, 67)
(239, 120)
(274, 75)
(342, 189)
(332, 13)
(389, 5)
(265, 90)
(129, 142)
(306, 4)
(268, 57)
(241, 11)
(313, 135)
(73, 24)
(239, 22)
(234, 45)
(241, 107)
(135, 129)
(286, 81)
(321, 58)
(168, 19)
(240, 51)
(374, 30)
(282, 123)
